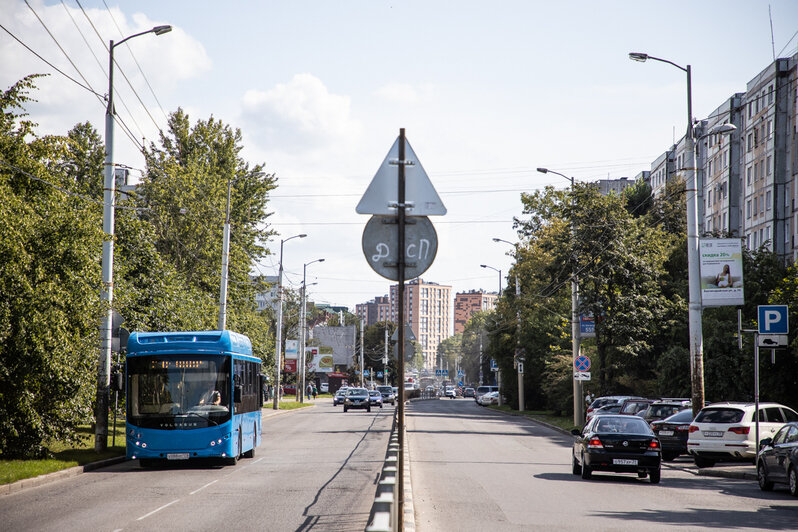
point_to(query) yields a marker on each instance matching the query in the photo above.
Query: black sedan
(672, 433)
(778, 459)
(619, 444)
(357, 398)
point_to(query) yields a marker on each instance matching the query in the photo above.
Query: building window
(750, 141)
(756, 206)
(770, 128)
(770, 95)
(748, 209)
(767, 201)
(770, 164)
(748, 174)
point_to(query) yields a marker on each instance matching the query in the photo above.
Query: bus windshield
(178, 391)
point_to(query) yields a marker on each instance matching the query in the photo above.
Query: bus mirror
(116, 381)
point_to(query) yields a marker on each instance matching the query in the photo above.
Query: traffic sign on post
(381, 194)
(773, 319)
(581, 363)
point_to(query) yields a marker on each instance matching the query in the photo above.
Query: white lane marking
(157, 510)
(203, 487)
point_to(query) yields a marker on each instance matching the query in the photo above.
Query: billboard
(319, 363)
(291, 349)
(721, 262)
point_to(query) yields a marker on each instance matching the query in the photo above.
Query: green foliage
(49, 281)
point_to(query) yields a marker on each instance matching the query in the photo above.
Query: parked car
(357, 398)
(612, 408)
(672, 433)
(469, 392)
(619, 444)
(490, 398)
(450, 392)
(338, 398)
(663, 409)
(324, 387)
(289, 389)
(387, 394)
(726, 431)
(482, 390)
(631, 407)
(778, 460)
(375, 398)
(599, 402)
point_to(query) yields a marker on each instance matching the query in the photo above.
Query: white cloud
(405, 93)
(301, 117)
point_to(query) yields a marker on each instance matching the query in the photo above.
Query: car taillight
(740, 430)
(595, 443)
(653, 445)
(692, 429)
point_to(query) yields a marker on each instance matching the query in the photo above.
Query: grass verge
(64, 456)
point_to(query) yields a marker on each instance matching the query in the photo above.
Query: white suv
(726, 431)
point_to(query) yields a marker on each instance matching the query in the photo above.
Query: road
(316, 470)
(475, 469)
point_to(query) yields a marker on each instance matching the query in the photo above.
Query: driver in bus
(211, 397)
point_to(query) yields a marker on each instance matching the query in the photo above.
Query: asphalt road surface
(476, 470)
(315, 470)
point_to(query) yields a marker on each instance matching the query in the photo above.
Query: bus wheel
(251, 452)
(233, 460)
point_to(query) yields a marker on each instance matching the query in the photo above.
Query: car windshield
(720, 415)
(357, 391)
(385, 389)
(625, 425)
(661, 411)
(374, 393)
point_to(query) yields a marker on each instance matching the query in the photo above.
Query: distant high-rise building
(467, 303)
(427, 312)
(375, 311)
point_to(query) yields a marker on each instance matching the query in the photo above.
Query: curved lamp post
(575, 328)
(278, 350)
(302, 329)
(107, 294)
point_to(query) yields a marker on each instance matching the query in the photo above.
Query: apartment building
(426, 309)
(375, 311)
(467, 303)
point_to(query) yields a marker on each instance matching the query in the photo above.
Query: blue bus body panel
(208, 442)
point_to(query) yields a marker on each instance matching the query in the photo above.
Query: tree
(50, 240)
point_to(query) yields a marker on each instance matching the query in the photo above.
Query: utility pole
(222, 325)
(519, 357)
(362, 369)
(385, 358)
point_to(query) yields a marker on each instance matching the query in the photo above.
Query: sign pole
(400, 351)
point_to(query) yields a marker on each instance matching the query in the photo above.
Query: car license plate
(713, 434)
(666, 433)
(623, 461)
(177, 456)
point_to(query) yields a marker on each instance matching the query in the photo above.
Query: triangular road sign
(383, 190)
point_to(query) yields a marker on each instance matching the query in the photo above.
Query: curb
(26, 483)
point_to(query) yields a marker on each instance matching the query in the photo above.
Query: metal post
(400, 351)
(519, 359)
(300, 358)
(107, 291)
(385, 358)
(362, 362)
(278, 349)
(107, 294)
(225, 262)
(756, 398)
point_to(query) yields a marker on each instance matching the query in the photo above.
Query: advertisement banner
(290, 366)
(291, 349)
(721, 272)
(319, 363)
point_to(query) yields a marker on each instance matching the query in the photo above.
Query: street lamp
(302, 327)
(107, 293)
(518, 358)
(500, 276)
(279, 333)
(575, 327)
(693, 277)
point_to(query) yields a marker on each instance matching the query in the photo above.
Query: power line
(70, 78)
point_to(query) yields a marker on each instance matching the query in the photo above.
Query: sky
(486, 91)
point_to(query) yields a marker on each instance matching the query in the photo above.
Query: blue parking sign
(772, 319)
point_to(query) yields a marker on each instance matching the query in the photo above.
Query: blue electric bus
(192, 395)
